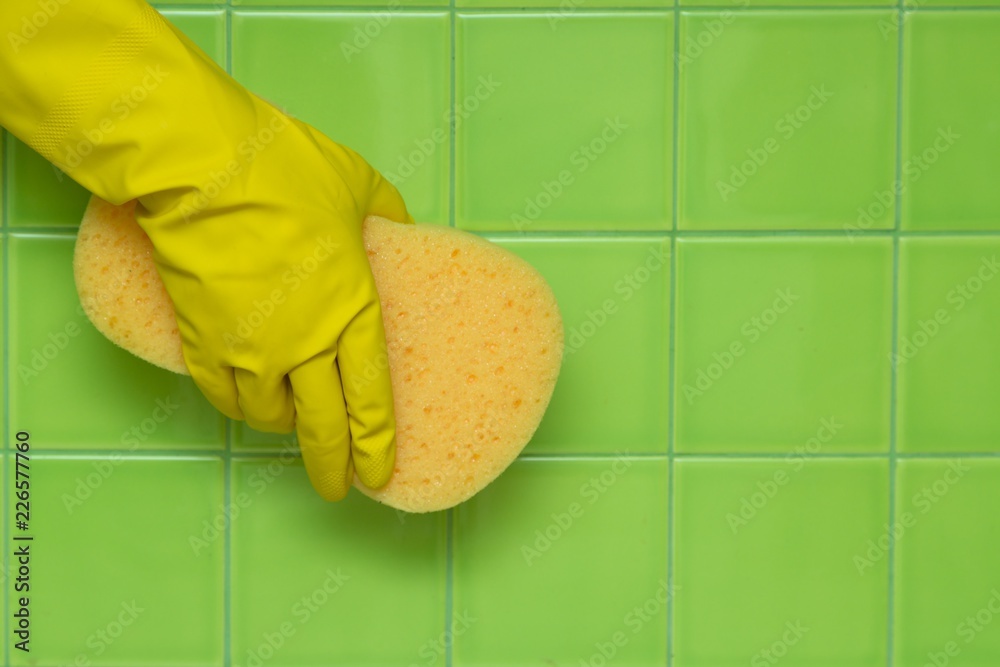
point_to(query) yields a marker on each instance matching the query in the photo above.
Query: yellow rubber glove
(255, 218)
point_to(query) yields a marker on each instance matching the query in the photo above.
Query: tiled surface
(614, 296)
(758, 524)
(789, 118)
(518, 564)
(385, 6)
(59, 362)
(777, 337)
(947, 352)
(950, 134)
(565, 131)
(764, 556)
(351, 570)
(114, 578)
(947, 527)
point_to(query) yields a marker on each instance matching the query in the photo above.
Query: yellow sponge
(474, 338)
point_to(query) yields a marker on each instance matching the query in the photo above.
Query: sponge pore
(474, 340)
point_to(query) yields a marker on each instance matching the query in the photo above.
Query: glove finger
(321, 422)
(385, 200)
(364, 369)
(216, 383)
(266, 401)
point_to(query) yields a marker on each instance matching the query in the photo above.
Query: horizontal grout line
(124, 453)
(548, 9)
(576, 456)
(201, 7)
(90, 455)
(735, 233)
(62, 232)
(841, 455)
(39, 231)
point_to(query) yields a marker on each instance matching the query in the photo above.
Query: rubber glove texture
(255, 218)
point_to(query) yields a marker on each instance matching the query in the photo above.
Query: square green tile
(950, 134)
(947, 360)
(566, 125)
(614, 294)
(74, 388)
(348, 571)
(558, 559)
(764, 562)
(787, 119)
(39, 194)
(776, 337)
(381, 89)
(114, 578)
(947, 603)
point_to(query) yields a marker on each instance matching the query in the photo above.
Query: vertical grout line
(891, 556)
(449, 566)
(671, 412)
(452, 106)
(229, 37)
(672, 307)
(227, 541)
(5, 169)
(675, 156)
(449, 596)
(227, 549)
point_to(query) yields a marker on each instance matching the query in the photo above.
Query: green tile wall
(773, 228)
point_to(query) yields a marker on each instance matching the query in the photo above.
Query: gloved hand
(255, 218)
